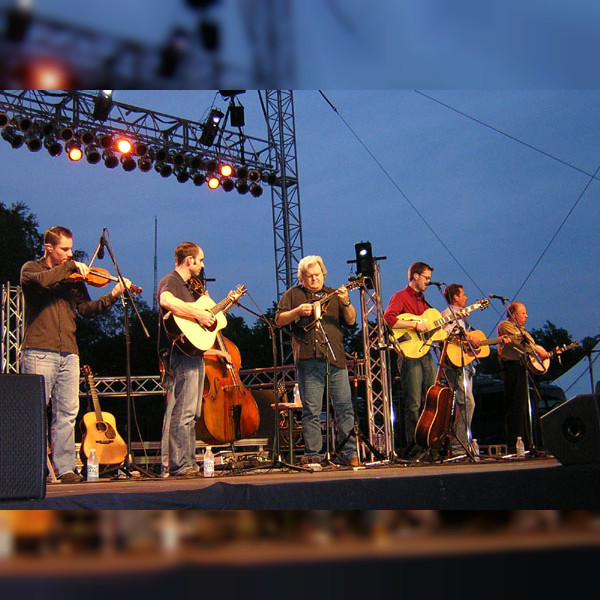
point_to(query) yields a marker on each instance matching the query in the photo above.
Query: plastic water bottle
(475, 449)
(297, 399)
(93, 471)
(520, 448)
(209, 463)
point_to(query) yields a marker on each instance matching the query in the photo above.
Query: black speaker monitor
(22, 437)
(571, 431)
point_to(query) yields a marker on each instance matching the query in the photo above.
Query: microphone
(438, 283)
(100, 254)
(498, 297)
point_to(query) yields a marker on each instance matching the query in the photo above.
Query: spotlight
(12, 137)
(254, 175)
(256, 190)
(210, 127)
(164, 169)
(179, 159)
(74, 150)
(226, 170)
(128, 163)
(199, 179)
(213, 182)
(4, 120)
(227, 184)
(236, 114)
(45, 128)
(140, 149)
(182, 175)
(144, 164)
(33, 143)
(86, 137)
(110, 160)
(92, 155)
(173, 52)
(102, 105)
(123, 145)
(210, 166)
(269, 177)
(104, 141)
(54, 148)
(24, 123)
(161, 154)
(194, 162)
(66, 133)
(364, 261)
(242, 186)
(242, 172)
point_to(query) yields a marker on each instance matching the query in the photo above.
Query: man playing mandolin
(52, 300)
(319, 352)
(515, 379)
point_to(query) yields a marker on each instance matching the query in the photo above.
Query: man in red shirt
(416, 375)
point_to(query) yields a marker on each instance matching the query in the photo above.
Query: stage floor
(492, 484)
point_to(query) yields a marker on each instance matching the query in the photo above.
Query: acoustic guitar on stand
(100, 431)
(191, 337)
(416, 344)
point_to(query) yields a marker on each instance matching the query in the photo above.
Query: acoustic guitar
(540, 367)
(460, 353)
(416, 344)
(100, 431)
(191, 337)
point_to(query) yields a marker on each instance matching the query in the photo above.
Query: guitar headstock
(482, 304)
(560, 349)
(239, 291)
(87, 370)
(356, 283)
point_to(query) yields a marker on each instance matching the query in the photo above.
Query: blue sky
(494, 203)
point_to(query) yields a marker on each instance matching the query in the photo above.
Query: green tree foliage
(20, 240)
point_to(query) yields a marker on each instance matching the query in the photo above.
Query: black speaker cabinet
(22, 437)
(571, 431)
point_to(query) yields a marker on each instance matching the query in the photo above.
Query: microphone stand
(130, 468)
(277, 462)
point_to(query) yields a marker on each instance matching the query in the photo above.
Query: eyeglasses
(423, 276)
(307, 276)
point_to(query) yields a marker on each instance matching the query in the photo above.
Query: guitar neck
(95, 400)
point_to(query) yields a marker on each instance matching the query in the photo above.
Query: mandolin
(416, 344)
(100, 431)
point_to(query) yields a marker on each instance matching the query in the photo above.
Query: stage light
(242, 186)
(213, 182)
(161, 154)
(364, 261)
(123, 145)
(73, 149)
(92, 155)
(45, 128)
(210, 127)
(178, 159)
(227, 184)
(104, 141)
(12, 137)
(173, 52)
(128, 163)
(242, 172)
(226, 170)
(140, 149)
(144, 164)
(210, 165)
(4, 120)
(256, 190)
(269, 177)
(254, 175)
(182, 175)
(86, 137)
(236, 114)
(194, 162)
(110, 160)
(54, 148)
(164, 169)
(23, 123)
(66, 134)
(199, 179)
(33, 143)
(102, 105)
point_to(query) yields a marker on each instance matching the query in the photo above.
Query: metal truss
(12, 326)
(377, 376)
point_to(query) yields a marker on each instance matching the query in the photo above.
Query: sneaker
(70, 477)
(187, 472)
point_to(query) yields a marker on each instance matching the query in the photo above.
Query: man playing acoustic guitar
(417, 375)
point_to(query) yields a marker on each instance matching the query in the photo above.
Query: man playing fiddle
(317, 356)
(49, 347)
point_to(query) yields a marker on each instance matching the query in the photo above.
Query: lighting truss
(165, 138)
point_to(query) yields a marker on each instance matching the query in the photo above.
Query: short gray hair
(308, 261)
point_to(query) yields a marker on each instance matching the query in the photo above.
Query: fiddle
(99, 277)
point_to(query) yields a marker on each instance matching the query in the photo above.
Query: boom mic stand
(130, 468)
(277, 462)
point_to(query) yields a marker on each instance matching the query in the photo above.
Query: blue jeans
(464, 407)
(417, 376)
(311, 375)
(184, 403)
(61, 378)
